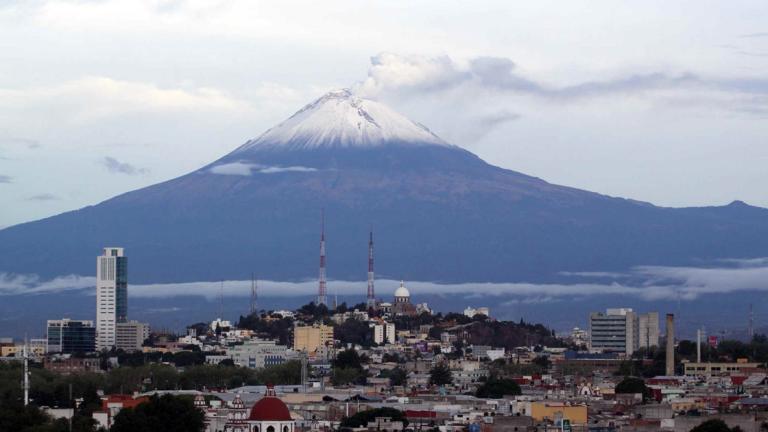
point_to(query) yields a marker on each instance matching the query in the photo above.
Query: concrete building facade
(130, 335)
(312, 338)
(622, 330)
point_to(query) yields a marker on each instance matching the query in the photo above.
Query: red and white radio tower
(371, 300)
(322, 298)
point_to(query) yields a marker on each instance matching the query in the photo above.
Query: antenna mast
(221, 300)
(322, 298)
(254, 293)
(371, 299)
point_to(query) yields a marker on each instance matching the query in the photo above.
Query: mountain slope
(440, 213)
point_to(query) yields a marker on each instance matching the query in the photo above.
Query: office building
(312, 338)
(622, 330)
(613, 331)
(258, 353)
(111, 295)
(70, 336)
(130, 336)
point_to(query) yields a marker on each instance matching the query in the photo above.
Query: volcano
(439, 212)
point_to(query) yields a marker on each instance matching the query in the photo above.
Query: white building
(111, 295)
(258, 353)
(384, 333)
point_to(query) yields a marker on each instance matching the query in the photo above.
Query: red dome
(270, 408)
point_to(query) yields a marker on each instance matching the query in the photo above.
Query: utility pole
(304, 372)
(71, 406)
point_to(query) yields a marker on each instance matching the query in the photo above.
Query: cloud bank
(247, 169)
(646, 283)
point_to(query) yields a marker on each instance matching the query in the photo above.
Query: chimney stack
(670, 345)
(698, 346)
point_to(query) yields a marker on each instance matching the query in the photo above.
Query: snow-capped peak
(341, 119)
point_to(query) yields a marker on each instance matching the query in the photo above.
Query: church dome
(270, 408)
(402, 291)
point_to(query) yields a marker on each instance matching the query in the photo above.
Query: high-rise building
(371, 296)
(130, 335)
(111, 295)
(312, 338)
(623, 330)
(70, 336)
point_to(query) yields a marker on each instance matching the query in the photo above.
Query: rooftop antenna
(371, 299)
(751, 329)
(221, 300)
(322, 297)
(254, 293)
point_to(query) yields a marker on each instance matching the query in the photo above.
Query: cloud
(18, 284)
(6, 179)
(43, 197)
(26, 142)
(646, 283)
(754, 35)
(415, 75)
(247, 169)
(116, 167)
(97, 97)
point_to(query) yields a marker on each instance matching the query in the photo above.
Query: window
(270, 429)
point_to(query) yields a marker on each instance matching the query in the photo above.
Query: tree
(397, 376)
(362, 418)
(632, 385)
(161, 414)
(440, 375)
(542, 361)
(496, 388)
(356, 332)
(714, 425)
(348, 359)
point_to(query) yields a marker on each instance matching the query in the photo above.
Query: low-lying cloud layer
(247, 169)
(646, 283)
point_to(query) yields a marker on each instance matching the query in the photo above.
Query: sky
(655, 101)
